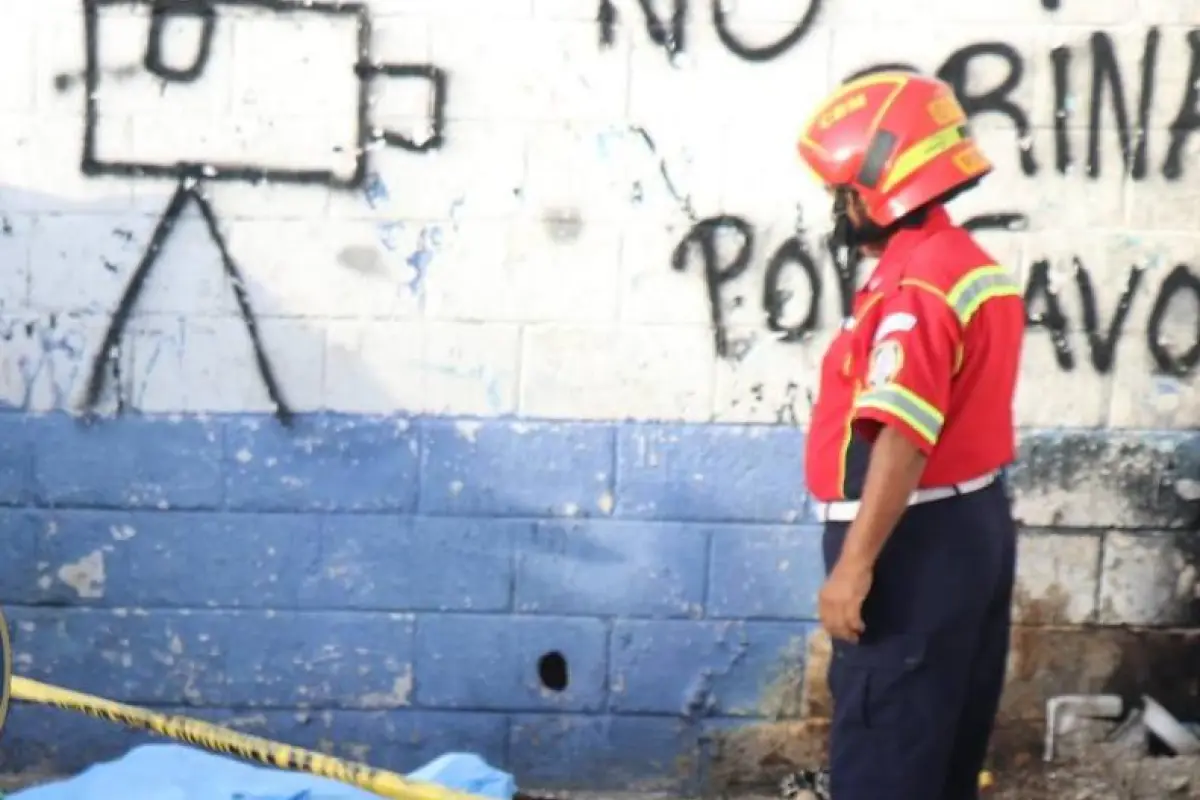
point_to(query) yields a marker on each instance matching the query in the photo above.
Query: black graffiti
(437, 79)
(1107, 92)
(108, 354)
(669, 38)
(955, 71)
(704, 236)
(1039, 294)
(794, 258)
(191, 176)
(671, 35)
(886, 66)
(163, 13)
(1003, 221)
(1106, 70)
(1187, 120)
(793, 254)
(1043, 310)
(766, 52)
(65, 81)
(1181, 279)
(207, 12)
(684, 201)
(1060, 61)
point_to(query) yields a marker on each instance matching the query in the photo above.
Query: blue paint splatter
(388, 231)
(428, 240)
(375, 190)
(1167, 386)
(419, 260)
(376, 193)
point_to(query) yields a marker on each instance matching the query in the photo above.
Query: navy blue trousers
(915, 700)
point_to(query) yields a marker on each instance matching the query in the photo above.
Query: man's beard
(846, 233)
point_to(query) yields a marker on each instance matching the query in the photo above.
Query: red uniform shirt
(932, 350)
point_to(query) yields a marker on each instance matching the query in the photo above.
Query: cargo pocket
(880, 685)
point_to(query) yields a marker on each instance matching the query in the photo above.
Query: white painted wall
(545, 220)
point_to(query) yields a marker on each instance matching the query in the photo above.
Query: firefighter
(911, 431)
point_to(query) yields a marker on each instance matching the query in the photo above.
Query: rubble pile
(1125, 753)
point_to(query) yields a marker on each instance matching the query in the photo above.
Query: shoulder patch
(886, 360)
(897, 322)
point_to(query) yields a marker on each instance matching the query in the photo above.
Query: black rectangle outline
(208, 171)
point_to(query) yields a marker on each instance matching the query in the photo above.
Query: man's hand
(841, 599)
(892, 475)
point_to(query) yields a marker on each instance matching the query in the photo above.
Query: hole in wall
(552, 671)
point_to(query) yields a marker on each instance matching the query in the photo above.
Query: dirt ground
(1099, 779)
(1094, 779)
(1147, 779)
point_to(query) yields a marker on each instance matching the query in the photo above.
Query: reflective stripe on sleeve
(903, 403)
(977, 287)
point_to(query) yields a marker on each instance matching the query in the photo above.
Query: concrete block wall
(459, 358)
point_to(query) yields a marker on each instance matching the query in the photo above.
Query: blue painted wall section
(388, 588)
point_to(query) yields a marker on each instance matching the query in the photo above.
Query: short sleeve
(910, 367)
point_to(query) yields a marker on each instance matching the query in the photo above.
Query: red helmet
(899, 139)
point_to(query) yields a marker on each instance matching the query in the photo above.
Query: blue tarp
(177, 772)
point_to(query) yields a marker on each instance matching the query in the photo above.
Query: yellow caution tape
(213, 737)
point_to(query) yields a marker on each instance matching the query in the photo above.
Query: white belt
(847, 510)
